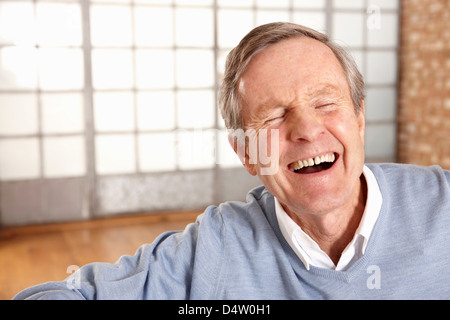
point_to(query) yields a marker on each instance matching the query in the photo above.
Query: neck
(334, 230)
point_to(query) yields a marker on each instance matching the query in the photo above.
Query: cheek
(348, 131)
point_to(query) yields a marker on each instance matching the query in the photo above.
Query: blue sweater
(236, 251)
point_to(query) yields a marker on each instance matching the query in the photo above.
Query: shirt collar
(291, 230)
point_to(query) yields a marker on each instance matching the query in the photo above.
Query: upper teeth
(312, 161)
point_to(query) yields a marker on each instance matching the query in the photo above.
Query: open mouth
(313, 165)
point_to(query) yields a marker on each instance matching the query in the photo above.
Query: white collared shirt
(309, 251)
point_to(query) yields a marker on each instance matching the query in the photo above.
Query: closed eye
(326, 106)
(273, 119)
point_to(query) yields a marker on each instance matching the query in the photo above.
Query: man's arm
(161, 270)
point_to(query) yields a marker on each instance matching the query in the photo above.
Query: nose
(305, 125)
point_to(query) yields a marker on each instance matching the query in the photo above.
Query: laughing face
(298, 87)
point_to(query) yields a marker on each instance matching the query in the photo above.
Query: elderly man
(323, 226)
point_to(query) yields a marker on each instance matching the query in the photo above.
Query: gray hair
(257, 40)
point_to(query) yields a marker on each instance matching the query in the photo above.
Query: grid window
(60, 69)
(309, 4)
(62, 113)
(111, 26)
(58, 24)
(381, 67)
(153, 18)
(114, 111)
(191, 104)
(112, 69)
(195, 149)
(115, 154)
(19, 159)
(42, 73)
(233, 24)
(154, 69)
(382, 35)
(348, 28)
(19, 68)
(156, 110)
(17, 23)
(193, 27)
(19, 114)
(195, 68)
(63, 156)
(157, 152)
(383, 104)
(95, 88)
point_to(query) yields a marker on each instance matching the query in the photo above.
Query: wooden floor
(35, 254)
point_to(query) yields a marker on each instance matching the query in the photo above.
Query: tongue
(316, 168)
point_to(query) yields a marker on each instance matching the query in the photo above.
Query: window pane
(112, 69)
(17, 23)
(62, 113)
(18, 114)
(233, 26)
(111, 25)
(157, 152)
(61, 69)
(19, 159)
(115, 154)
(58, 24)
(348, 28)
(314, 20)
(194, 27)
(235, 3)
(153, 26)
(380, 104)
(196, 149)
(154, 69)
(195, 68)
(380, 141)
(113, 111)
(195, 109)
(267, 16)
(345, 4)
(111, 1)
(385, 4)
(64, 157)
(386, 35)
(194, 2)
(381, 67)
(18, 66)
(272, 3)
(309, 4)
(156, 110)
(153, 1)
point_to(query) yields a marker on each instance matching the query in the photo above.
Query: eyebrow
(311, 93)
(325, 89)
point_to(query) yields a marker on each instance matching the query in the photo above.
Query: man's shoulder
(257, 208)
(408, 173)
(413, 185)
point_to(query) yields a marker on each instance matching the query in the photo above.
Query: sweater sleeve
(161, 270)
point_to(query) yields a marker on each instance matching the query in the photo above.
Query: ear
(361, 120)
(241, 149)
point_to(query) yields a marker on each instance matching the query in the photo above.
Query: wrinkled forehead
(299, 66)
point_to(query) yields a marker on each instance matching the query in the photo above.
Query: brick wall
(424, 92)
